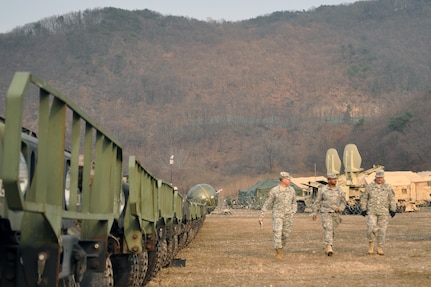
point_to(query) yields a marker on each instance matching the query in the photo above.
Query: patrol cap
(331, 175)
(285, 174)
(380, 173)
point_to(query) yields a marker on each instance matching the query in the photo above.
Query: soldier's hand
(364, 213)
(314, 217)
(337, 210)
(260, 220)
(392, 213)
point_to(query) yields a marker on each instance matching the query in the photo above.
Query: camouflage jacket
(282, 202)
(378, 199)
(329, 199)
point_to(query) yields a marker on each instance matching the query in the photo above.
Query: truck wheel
(100, 279)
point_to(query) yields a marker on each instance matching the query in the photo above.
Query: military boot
(329, 250)
(380, 250)
(371, 248)
(279, 253)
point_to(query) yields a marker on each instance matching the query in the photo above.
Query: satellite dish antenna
(351, 158)
(333, 162)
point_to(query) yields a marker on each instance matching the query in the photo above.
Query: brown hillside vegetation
(237, 101)
(231, 250)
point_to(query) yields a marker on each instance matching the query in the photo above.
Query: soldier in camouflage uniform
(377, 201)
(282, 200)
(330, 201)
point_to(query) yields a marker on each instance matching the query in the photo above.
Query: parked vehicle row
(68, 214)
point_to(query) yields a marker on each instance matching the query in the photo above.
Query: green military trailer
(68, 217)
(38, 218)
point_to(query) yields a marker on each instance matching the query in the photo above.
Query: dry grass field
(232, 250)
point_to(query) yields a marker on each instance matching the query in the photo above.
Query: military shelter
(255, 196)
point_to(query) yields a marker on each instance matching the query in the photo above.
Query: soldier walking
(282, 199)
(330, 202)
(377, 201)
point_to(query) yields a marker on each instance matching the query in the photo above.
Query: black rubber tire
(126, 269)
(155, 260)
(99, 279)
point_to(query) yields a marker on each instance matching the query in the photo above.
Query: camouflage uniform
(283, 203)
(327, 201)
(377, 200)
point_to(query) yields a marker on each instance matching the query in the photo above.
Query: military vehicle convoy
(67, 215)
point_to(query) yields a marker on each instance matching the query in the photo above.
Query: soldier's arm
(364, 199)
(268, 202)
(342, 205)
(294, 203)
(317, 202)
(392, 202)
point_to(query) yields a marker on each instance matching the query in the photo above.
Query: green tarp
(255, 196)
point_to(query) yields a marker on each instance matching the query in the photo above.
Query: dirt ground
(232, 250)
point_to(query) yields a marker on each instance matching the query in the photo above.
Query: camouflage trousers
(281, 226)
(376, 228)
(330, 222)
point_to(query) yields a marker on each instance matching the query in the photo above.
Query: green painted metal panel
(194, 210)
(98, 181)
(143, 201)
(178, 206)
(166, 200)
(12, 140)
(74, 163)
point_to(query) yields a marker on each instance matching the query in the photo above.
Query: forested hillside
(238, 101)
